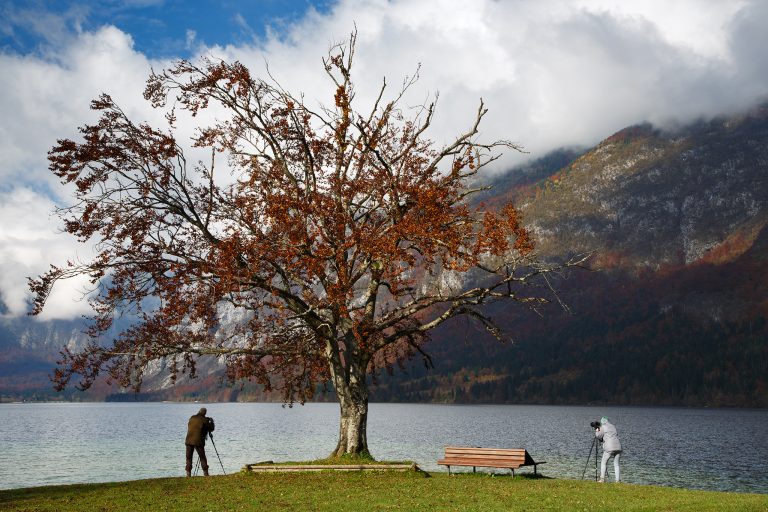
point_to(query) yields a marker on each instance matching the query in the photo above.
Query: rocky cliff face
(28, 351)
(646, 198)
(41, 336)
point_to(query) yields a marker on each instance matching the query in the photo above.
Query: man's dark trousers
(201, 454)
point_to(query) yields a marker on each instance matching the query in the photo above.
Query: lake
(62, 443)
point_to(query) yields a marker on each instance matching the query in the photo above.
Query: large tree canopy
(343, 236)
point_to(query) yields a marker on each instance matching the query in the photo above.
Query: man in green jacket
(197, 430)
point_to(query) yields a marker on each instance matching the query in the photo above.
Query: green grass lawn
(358, 491)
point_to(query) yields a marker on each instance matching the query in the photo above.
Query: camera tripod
(210, 435)
(594, 445)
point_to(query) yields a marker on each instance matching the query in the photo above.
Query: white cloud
(44, 98)
(697, 25)
(552, 72)
(190, 39)
(29, 242)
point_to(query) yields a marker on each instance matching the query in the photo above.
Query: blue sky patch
(160, 28)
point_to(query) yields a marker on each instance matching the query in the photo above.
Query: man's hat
(202, 411)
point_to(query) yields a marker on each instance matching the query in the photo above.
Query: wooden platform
(280, 468)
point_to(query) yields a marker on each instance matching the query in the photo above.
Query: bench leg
(474, 469)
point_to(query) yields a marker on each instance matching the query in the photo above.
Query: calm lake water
(51, 444)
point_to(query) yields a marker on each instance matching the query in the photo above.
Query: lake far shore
(370, 491)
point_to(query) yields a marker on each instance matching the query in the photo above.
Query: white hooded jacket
(608, 434)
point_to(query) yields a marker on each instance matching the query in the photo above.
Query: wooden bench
(511, 459)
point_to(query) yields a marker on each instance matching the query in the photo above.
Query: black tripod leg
(217, 453)
(596, 462)
(588, 456)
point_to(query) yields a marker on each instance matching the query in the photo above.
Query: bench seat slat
(484, 462)
(461, 460)
(481, 457)
(485, 456)
(490, 464)
(474, 448)
(521, 460)
(500, 451)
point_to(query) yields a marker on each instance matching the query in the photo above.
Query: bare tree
(346, 236)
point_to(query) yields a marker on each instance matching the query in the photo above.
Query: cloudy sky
(552, 72)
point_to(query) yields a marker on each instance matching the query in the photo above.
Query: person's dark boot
(205, 472)
(189, 472)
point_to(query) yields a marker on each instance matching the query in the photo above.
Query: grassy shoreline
(369, 491)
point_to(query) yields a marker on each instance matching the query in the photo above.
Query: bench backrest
(517, 456)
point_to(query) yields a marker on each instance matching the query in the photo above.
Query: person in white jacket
(611, 447)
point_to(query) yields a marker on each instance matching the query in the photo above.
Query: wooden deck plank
(274, 468)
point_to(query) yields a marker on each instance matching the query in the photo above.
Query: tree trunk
(353, 437)
(352, 391)
(348, 374)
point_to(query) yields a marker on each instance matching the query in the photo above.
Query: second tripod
(591, 449)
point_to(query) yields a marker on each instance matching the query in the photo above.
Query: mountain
(690, 191)
(28, 352)
(673, 310)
